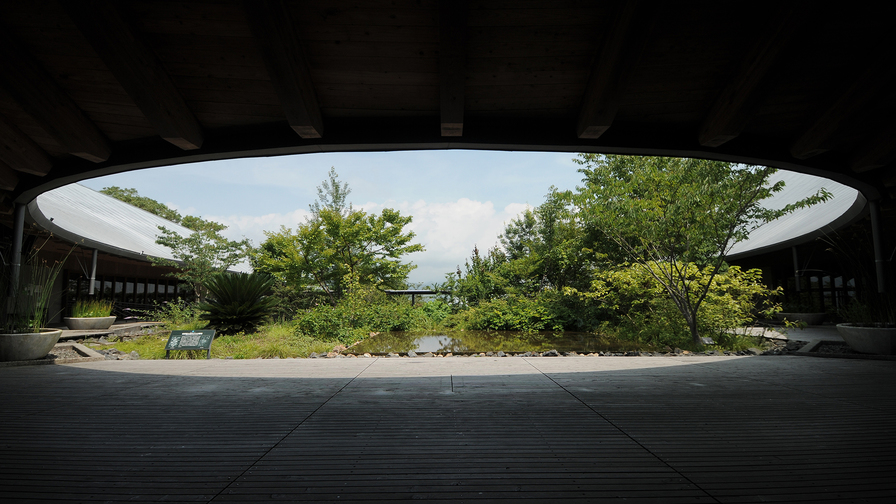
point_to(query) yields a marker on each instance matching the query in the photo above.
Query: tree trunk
(692, 325)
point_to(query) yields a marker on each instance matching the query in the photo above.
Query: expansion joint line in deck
(283, 438)
(622, 431)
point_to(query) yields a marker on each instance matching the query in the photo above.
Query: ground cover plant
(266, 342)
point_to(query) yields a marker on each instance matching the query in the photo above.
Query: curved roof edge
(80, 215)
(845, 207)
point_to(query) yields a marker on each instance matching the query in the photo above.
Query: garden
(630, 261)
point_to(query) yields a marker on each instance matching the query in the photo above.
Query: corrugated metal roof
(805, 224)
(81, 215)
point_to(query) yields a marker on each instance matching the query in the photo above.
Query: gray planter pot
(808, 318)
(873, 340)
(88, 323)
(28, 346)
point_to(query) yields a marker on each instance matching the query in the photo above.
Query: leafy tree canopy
(198, 256)
(338, 242)
(667, 214)
(332, 195)
(201, 255)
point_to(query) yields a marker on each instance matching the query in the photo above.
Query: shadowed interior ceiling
(97, 87)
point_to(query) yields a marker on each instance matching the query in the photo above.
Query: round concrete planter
(28, 346)
(88, 323)
(873, 340)
(808, 318)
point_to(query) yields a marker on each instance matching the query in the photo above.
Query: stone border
(810, 351)
(89, 355)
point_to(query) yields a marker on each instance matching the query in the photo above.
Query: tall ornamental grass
(85, 308)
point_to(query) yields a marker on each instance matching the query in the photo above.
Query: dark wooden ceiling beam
(38, 94)
(138, 70)
(877, 152)
(620, 50)
(278, 39)
(743, 94)
(9, 178)
(20, 152)
(452, 66)
(861, 95)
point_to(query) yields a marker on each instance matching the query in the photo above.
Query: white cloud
(253, 227)
(448, 231)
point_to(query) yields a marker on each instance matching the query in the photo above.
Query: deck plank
(676, 429)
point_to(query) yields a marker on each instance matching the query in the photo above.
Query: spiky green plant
(238, 302)
(92, 308)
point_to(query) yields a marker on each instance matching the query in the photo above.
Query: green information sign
(191, 340)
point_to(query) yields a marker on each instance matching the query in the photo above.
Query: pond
(465, 342)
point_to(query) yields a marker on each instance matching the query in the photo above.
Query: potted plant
(24, 314)
(90, 314)
(870, 326)
(801, 308)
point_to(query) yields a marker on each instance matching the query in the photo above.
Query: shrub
(511, 313)
(641, 309)
(364, 310)
(92, 308)
(178, 315)
(238, 302)
(429, 315)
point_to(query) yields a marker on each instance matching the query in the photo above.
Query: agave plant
(238, 302)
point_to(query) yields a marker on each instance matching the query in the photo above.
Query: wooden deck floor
(642, 429)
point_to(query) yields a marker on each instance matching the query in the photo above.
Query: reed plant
(28, 295)
(87, 308)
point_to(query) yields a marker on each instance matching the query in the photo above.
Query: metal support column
(796, 269)
(91, 288)
(878, 245)
(18, 233)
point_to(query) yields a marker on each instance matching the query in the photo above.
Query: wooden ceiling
(96, 87)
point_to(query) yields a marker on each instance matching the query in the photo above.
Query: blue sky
(458, 198)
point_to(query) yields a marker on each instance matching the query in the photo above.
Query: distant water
(460, 342)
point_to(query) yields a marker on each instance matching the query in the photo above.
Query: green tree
(201, 254)
(545, 247)
(131, 197)
(676, 216)
(338, 242)
(332, 195)
(198, 256)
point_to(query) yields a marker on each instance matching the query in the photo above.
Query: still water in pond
(460, 342)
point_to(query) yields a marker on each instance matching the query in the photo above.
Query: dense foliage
(640, 309)
(639, 247)
(336, 243)
(677, 216)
